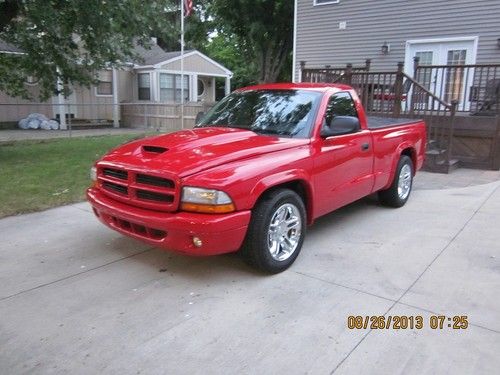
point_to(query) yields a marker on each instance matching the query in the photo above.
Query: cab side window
(341, 104)
(341, 116)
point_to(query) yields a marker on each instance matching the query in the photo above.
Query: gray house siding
(319, 41)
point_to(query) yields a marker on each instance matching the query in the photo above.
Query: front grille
(115, 187)
(152, 196)
(139, 189)
(153, 180)
(116, 173)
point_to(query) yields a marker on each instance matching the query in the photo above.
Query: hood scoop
(154, 149)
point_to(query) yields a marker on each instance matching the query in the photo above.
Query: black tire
(391, 196)
(256, 250)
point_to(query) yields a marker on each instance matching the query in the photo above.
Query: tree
(70, 40)
(263, 30)
(226, 50)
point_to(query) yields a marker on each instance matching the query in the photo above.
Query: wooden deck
(462, 116)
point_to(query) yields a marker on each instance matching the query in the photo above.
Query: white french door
(446, 83)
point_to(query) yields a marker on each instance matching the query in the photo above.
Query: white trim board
(294, 53)
(192, 53)
(191, 72)
(409, 43)
(316, 4)
(443, 40)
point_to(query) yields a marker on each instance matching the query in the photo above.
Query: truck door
(343, 167)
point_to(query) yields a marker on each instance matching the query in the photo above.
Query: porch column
(227, 90)
(214, 93)
(116, 101)
(154, 86)
(194, 88)
(61, 103)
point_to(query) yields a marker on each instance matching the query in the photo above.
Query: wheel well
(298, 187)
(410, 152)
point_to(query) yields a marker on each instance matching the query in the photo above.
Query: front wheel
(276, 231)
(399, 192)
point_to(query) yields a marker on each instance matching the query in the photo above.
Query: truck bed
(375, 122)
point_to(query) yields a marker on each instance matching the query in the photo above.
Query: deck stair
(436, 160)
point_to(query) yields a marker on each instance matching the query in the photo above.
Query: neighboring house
(450, 72)
(440, 32)
(156, 79)
(159, 80)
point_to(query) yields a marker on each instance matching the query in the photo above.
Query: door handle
(365, 146)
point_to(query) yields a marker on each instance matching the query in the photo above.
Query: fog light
(197, 242)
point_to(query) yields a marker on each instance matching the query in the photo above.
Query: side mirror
(199, 117)
(341, 125)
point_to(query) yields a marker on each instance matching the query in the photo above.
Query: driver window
(340, 104)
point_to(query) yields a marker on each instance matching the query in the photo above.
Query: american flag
(188, 7)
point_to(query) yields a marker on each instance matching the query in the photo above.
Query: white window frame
(410, 43)
(151, 76)
(315, 2)
(112, 87)
(188, 74)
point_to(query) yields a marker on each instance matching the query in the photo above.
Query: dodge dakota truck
(260, 166)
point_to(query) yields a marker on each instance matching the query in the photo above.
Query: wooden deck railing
(476, 87)
(327, 74)
(395, 94)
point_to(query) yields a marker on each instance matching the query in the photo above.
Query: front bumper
(219, 234)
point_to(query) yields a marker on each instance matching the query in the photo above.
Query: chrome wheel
(404, 182)
(284, 232)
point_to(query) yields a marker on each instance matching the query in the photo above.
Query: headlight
(93, 174)
(206, 201)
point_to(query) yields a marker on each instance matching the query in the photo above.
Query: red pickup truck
(263, 163)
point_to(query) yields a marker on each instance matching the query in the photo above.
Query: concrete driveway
(78, 298)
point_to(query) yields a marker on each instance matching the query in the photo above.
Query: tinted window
(341, 104)
(144, 86)
(286, 113)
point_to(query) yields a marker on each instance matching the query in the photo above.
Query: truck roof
(321, 87)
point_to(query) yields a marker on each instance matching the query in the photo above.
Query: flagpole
(182, 64)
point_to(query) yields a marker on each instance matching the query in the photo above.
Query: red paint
(333, 172)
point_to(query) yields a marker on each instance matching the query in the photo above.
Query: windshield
(287, 113)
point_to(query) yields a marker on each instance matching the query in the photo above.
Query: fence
(161, 116)
(148, 116)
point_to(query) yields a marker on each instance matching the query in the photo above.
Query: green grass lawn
(35, 175)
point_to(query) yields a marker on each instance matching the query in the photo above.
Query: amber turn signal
(208, 208)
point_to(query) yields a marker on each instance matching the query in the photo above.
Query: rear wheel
(399, 191)
(276, 231)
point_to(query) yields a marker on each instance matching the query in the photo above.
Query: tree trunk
(272, 57)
